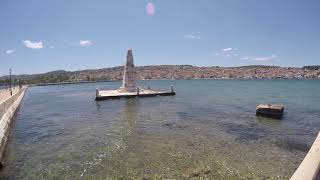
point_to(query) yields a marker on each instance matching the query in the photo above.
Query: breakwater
(8, 108)
(309, 168)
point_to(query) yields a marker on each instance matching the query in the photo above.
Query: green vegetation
(53, 77)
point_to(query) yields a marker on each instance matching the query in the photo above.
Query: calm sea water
(209, 129)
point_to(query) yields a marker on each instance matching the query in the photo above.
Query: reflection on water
(62, 133)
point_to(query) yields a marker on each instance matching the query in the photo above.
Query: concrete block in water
(270, 110)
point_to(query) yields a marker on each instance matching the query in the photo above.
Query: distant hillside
(171, 72)
(258, 66)
(315, 67)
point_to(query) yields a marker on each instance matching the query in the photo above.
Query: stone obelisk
(129, 75)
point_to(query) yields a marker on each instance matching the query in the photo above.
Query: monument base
(127, 89)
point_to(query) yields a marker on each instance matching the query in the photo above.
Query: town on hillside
(170, 72)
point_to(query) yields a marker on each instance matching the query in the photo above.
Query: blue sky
(41, 35)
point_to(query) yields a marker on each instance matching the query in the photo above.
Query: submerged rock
(192, 173)
(293, 144)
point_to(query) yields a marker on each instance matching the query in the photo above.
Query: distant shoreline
(64, 83)
(157, 72)
(86, 82)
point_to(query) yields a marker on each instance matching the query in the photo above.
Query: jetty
(10, 101)
(310, 166)
(129, 88)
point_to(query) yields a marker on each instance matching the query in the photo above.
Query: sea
(209, 130)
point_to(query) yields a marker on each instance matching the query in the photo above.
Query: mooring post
(138, 91)
(97, 92)
(172, 90)
(148, 86)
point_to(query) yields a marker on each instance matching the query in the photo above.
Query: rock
(192, 173)
(270, 110)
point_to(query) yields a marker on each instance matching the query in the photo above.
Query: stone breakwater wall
(310, 166)
(8, 109)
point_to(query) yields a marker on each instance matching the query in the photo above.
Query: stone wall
(10, 106)
(309, 168)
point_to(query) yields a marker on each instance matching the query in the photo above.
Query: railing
(6, 104)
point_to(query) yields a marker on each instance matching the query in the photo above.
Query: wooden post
(172, 90)
(138, 91)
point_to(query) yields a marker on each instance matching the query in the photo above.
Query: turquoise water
(208, 130)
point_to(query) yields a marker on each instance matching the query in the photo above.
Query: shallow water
(209, 129)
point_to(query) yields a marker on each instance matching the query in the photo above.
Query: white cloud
(85, 43)
(262, 58)
(51, 47)
(226, 49)
(245, 58)
(193, 36)
(33, 45)
(227, 52)
(10, 51)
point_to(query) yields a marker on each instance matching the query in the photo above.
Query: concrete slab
(309, 168)
(117, 94)
(270, 110)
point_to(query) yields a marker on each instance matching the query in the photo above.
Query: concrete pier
(5, 93)
(129, 88)
(8, 108)
(116, 94)
(310, 166)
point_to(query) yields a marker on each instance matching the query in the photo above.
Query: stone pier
(8, 108)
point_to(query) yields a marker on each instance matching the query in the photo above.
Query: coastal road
(5, 93)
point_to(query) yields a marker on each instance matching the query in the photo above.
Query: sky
(44, 35)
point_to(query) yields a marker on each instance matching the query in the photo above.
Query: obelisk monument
(129, 88)
(129, 75)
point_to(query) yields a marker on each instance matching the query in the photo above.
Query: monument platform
(116, 94)
(129, 88)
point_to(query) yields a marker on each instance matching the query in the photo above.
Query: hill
(171, 72)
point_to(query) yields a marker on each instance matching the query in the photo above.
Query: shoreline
(86, 82)
(9, 108)
(64, 83)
